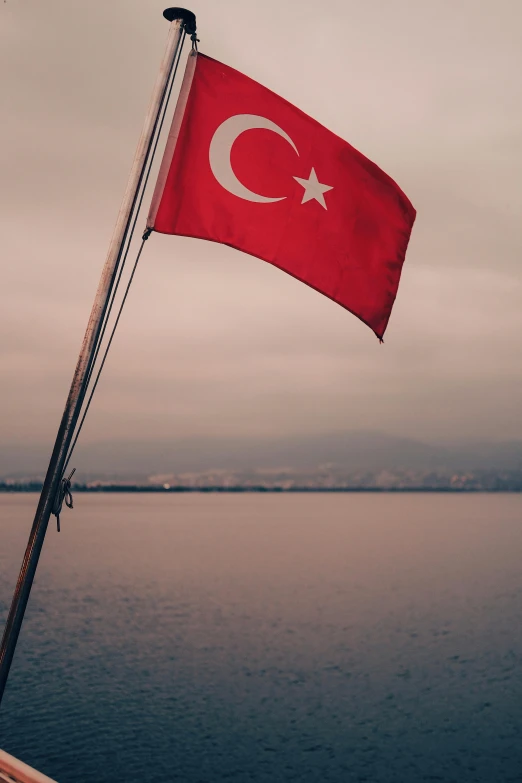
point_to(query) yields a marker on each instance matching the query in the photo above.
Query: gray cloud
(215, 342)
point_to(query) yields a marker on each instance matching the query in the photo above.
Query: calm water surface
(270, 638)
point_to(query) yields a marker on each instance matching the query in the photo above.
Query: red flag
(244, 167)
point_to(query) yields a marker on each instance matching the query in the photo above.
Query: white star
(313, 189)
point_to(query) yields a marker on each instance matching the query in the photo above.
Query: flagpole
(181, 21)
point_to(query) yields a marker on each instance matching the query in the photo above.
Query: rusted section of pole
(81, 374)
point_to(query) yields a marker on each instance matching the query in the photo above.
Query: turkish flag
(244, 167)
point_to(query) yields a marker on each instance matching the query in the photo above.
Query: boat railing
(14, 771)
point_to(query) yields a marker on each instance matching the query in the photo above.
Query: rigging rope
(64, 493)
(168, 93)
(106, 352)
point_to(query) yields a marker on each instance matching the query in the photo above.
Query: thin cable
(159, 127)
(124, 259)
(106, 352)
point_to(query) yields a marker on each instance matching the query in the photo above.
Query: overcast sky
(216, 342)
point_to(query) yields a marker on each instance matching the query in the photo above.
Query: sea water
(268, 638)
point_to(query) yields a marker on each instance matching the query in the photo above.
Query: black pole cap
(188, 18)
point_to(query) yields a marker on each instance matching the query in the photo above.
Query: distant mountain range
(351, 451)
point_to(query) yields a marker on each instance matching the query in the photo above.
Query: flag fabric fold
(244, 167)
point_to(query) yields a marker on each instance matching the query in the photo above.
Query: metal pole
(181, 20)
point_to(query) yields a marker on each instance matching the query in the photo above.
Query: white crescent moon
(221, 147)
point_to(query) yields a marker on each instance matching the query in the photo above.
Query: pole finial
(188, 18)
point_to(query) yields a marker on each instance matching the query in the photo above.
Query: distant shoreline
(136, 488)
